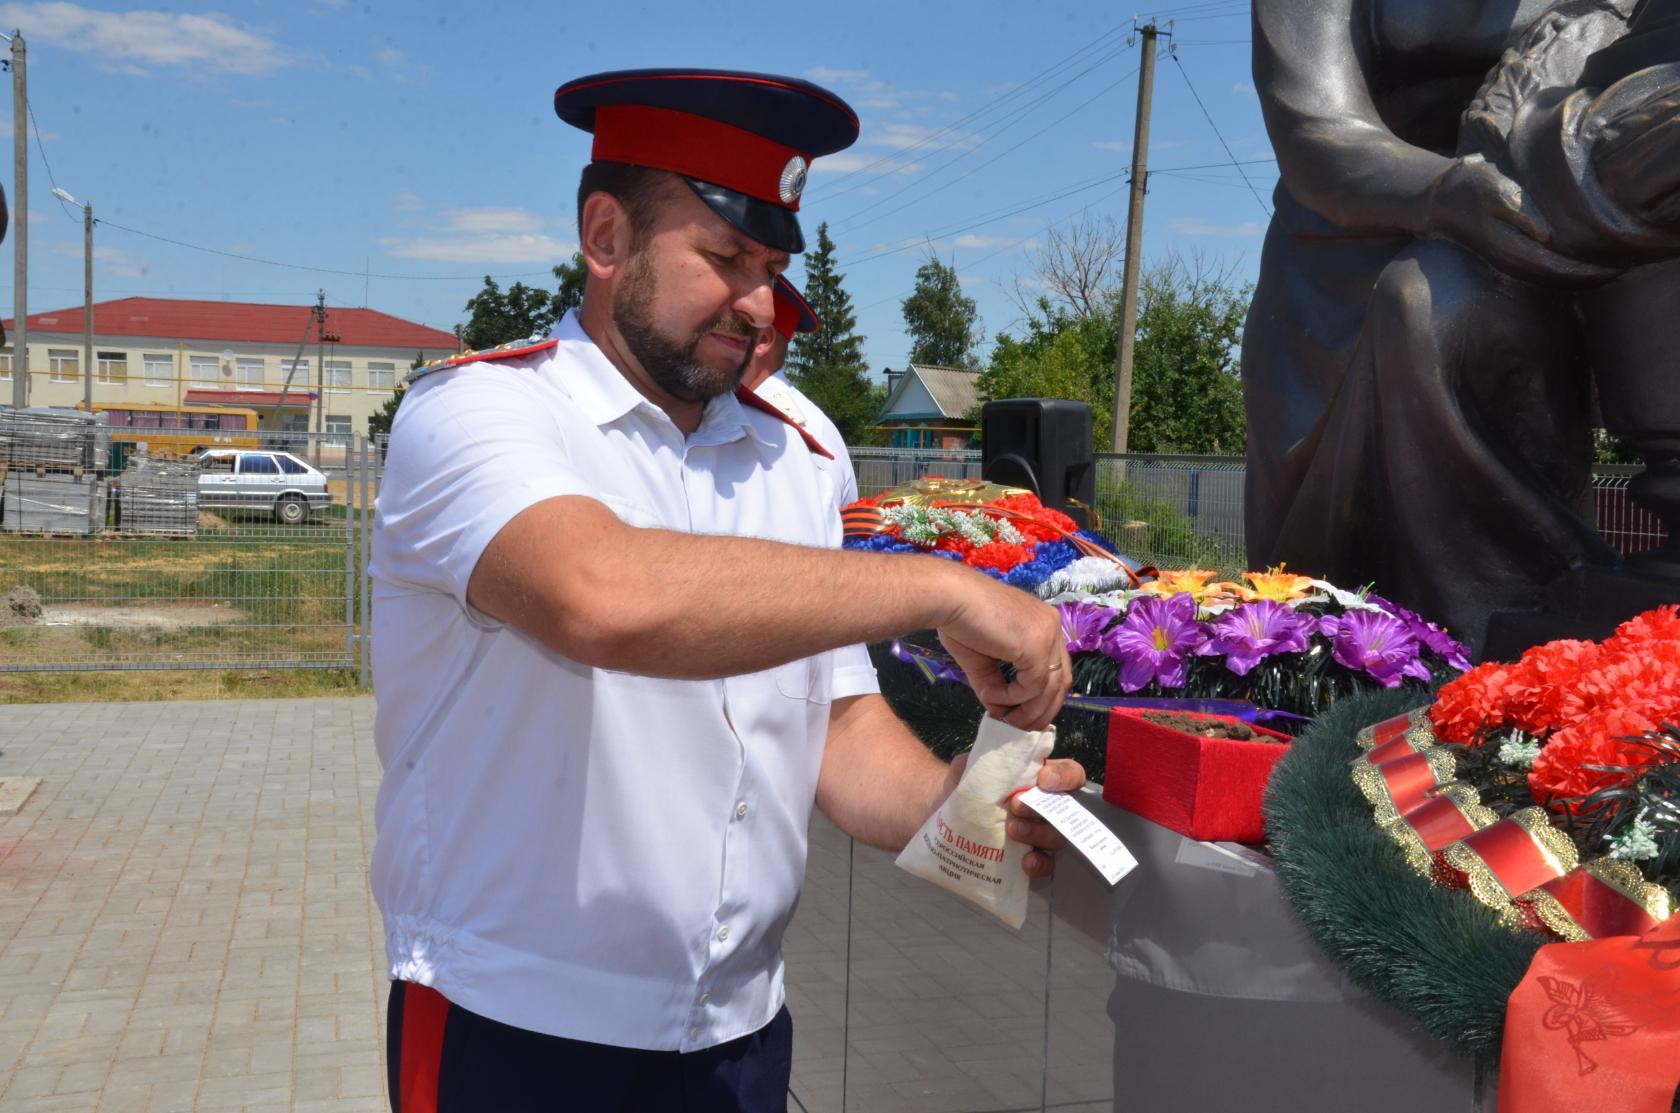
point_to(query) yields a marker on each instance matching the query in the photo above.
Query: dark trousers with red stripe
(440, 1058)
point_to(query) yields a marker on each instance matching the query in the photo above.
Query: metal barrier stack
(54, 471)
(158, 497)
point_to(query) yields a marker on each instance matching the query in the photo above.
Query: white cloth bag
(962, 847)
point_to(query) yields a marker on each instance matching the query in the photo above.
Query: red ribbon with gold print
(1596, 1026)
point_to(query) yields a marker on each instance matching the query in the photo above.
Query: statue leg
(1447, 468)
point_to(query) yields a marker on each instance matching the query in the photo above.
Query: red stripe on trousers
(424, 1012)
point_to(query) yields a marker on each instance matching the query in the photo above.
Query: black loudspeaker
(1044, 445)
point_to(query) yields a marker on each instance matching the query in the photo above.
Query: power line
(1004, 124)
(42, 147)
(988, 220)
(1000, 155)
(314, 269)
(1198, 97)
(829, 191)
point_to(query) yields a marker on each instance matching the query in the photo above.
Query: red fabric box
(1207, 788)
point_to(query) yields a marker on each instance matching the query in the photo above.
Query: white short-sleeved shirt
(571, 850)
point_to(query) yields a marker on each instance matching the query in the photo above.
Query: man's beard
(674, 367)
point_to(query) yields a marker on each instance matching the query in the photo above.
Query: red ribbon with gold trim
(1596, 1025)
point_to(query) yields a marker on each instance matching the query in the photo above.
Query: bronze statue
(1475, 196)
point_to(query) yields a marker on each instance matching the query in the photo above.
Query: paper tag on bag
(1083, 831)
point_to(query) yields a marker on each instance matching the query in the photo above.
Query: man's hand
(1057, 775)
(994, 623)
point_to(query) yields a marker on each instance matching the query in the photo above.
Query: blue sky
(417, 140)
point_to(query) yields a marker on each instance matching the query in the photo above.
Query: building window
(338, 424)
(382, 376)
(65, 365)
(160, 369)
(112, 367)
(294, 374)
(248, 373)
(206, 371)
(337, 375)
(6, 364)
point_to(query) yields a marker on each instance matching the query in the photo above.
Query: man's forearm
(662, 603)
(879, 783)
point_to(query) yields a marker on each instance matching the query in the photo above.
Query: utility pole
(87, 289)
(317, 320)
(20, 227)
(1134, 247)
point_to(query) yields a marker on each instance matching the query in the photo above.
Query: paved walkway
(185, 925)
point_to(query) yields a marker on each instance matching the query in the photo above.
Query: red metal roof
(253, 398)
(236, 321)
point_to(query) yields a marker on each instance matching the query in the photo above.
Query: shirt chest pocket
(810, 679)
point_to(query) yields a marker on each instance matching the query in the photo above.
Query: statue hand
(1638, 157)
(1476, 205)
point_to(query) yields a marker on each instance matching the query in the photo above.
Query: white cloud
(390, 56)
(482, 235)
(968, 239)
(1112, 144)
(132, 41)
(532, 247)
(849, 162)
(515, 221)
(901, 136)
(408, 203)
(1243, 89)
(1196, 226)
(866, 91)
(113, 262)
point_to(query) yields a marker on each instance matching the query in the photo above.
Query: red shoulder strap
(748, 398)
(504, 351)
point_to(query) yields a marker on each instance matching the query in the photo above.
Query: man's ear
(605, 235)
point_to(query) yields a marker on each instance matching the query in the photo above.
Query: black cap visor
(771, 225)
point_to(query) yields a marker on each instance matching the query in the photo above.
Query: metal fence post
(349, 560)
(365, 563)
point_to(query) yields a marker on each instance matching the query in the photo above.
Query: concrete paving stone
(193, 876)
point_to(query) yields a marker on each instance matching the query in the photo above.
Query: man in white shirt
(611, 648)
(766, 378)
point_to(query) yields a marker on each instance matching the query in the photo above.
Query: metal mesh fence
(247, 556)
(113, 556)
(880, 469)
(1174, 511)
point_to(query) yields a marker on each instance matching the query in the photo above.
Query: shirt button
(693, 1034)
(723, 934)
(704, 997)
(741, 810)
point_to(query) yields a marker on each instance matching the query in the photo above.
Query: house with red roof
(270, 358)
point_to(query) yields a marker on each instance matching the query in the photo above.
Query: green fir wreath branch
(1435, 954)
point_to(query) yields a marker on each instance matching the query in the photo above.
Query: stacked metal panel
(158, 496)
(42, 501)
(41, 437)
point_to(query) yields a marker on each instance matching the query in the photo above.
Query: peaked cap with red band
(793, 312)
(743, 141)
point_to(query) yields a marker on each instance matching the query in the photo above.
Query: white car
(261, 479)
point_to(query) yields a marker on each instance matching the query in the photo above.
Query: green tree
(837, 343)
(1186, 393)
(1061, 355)
(1186, 387)
(829, 365)
(943, 322)
(496, 317)
(571, 277)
